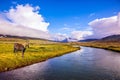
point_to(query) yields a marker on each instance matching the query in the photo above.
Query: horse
(19, 47)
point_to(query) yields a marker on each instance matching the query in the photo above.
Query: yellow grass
(38, 51)
(114, 46)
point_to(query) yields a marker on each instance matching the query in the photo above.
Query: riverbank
(113, 46)
(37, 52)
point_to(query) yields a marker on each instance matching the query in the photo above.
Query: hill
(112, 38)
(88, 40)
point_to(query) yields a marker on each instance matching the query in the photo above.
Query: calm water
(85, 64)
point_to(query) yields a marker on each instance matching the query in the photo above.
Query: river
(84, 64)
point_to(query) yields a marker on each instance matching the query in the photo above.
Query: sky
(60, 19)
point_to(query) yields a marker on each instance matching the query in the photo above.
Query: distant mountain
(87, 40)
(67, 40)
(112, 38)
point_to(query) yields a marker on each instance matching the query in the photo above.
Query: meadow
(39, 50)
(113, 46)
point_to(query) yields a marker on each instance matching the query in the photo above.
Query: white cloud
(28, 16)
(14, 2)
(59, 37)
(105, 26)
(99, 28)
(8, 28)
(65, 28)
(118, 20)
(80, 35)
(24, 21)
(66, 25)
(92, 14)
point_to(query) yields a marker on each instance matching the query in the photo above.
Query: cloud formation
(59, 37)
(18, 30)
(105, 26)
(80, 35)
(24, 20)
(27, 16)
(92, 14)
(99, 28)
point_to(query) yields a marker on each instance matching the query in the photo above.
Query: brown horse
(19, 47)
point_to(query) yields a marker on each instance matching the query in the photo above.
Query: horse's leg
(14, 50)
(22, 54)
(28, 46)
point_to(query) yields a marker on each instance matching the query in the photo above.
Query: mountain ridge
(111, 38)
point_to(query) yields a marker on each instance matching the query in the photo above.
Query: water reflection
(26, 73)
(85, 64)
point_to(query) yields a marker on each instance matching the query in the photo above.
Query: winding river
(85, 64)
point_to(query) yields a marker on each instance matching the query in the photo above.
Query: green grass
(36, 53)
(113, 46)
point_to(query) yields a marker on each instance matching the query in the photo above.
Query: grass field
(39, 51)
(114, 46)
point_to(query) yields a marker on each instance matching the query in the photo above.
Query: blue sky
(66, 16)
